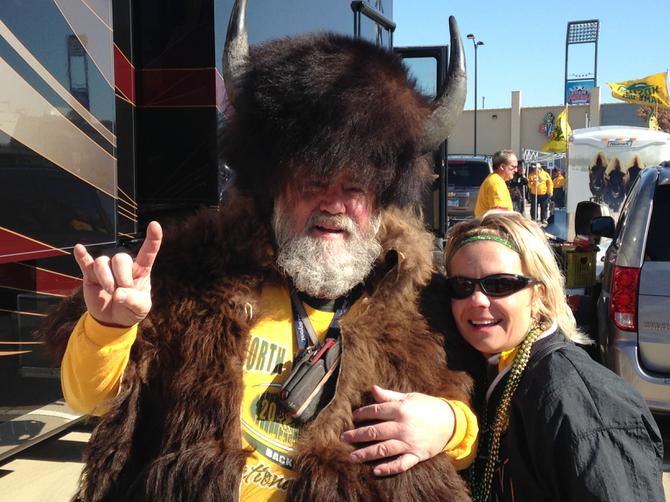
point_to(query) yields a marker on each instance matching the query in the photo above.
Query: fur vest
(174, 433)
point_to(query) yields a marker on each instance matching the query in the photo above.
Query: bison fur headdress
(314, 106)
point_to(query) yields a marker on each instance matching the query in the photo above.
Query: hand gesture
(413, 427)
(117, 290)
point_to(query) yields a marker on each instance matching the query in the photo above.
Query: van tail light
(623, 298)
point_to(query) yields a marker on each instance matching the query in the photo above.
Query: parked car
(633, 304)
(465, 174)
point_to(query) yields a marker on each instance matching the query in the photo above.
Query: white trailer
(603, 161)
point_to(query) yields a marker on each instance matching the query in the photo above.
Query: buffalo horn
(451, 100)
(236, 50)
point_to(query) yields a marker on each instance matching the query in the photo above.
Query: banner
(578, 92)
(558, 142)
(649, 91)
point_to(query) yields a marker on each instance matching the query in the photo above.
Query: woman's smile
(491, 324)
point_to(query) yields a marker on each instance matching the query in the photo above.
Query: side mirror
(585, 212)
(602, 226)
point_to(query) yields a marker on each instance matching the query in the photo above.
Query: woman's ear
(537, 301)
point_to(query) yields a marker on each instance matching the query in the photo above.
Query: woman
(557, 426)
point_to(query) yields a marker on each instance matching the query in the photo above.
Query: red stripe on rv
(25, 277)
(15, 247)
(124, 75)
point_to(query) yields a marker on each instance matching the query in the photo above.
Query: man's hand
(117, 290)
(413, 427)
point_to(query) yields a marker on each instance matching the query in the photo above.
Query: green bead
(481, 487)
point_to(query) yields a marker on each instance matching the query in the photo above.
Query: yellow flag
(558, 141)
(651, 90)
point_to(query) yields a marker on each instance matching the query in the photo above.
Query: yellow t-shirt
(97, 355)
(493, 193)
(559, 181)
(266, 427)
(540, 183)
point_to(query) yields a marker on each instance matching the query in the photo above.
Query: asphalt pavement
(47, 471)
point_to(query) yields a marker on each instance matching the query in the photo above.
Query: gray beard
(325, 268)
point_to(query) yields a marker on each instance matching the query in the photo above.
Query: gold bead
(481, 487)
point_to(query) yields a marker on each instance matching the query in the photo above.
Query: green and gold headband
(483, 237)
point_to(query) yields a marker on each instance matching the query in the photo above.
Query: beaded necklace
(481, 484)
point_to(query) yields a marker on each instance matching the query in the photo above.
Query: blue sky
(525, 43)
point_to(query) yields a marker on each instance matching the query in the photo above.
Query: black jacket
(518, 186)
(577, 432)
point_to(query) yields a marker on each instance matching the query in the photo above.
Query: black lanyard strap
(303, 326)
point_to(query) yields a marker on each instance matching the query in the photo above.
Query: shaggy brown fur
(309, 106)
(174, 431)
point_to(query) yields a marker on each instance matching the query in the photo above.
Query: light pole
(476, 43)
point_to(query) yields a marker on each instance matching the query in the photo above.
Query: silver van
(633, 306)
(465, 173)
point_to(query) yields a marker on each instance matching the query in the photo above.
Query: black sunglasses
(496, 285)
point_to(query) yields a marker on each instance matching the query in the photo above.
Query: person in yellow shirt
(493, 192)
(559, 187)
(541, 190)
(191, 350)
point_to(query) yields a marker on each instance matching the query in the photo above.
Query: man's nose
(333, 202)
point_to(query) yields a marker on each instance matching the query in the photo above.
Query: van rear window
(466, 173)
(658, 239)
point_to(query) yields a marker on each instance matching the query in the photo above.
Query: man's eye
(353, 189)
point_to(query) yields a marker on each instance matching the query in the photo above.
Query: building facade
(522, 128)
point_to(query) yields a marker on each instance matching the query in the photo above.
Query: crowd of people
(299, 343)
(508, 188)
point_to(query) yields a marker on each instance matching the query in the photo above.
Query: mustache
(338, 221)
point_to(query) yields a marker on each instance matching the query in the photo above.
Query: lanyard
(303, 326)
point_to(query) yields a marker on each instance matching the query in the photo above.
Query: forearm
(93, 364)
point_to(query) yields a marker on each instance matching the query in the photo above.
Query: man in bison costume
(184, 357)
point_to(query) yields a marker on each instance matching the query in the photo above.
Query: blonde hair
(537, 261)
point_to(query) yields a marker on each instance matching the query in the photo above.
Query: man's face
(340, 197)
(326, 235)
(508, 169)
